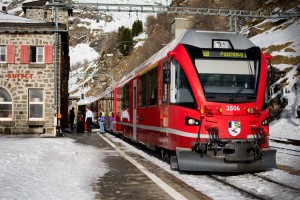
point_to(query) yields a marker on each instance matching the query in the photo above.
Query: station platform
(127, 179)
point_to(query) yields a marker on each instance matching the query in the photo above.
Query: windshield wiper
(238, 92)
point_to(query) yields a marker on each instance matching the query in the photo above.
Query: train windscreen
(234, 78)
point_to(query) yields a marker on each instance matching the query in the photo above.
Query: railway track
(259, 187)
(286, 141)
(291, 146)
(290, 186)
(248, 186)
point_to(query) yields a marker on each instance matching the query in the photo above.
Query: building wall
(47, 15)
(18, 78)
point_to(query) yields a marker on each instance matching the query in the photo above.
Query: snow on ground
(285, 128)
(62, 169)
(48, 168)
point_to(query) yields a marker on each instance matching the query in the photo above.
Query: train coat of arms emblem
(234, 128)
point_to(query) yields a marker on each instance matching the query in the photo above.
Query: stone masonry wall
(39, 14)
(42, 77)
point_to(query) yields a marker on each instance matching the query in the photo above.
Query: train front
(233, 133)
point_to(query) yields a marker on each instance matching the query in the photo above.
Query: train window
(142, 92)
(181, 91)
(230, 77)
(152, 87)
(125, 99)
(148, 88)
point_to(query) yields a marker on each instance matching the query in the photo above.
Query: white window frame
(2, 102)
(35, 101)
(5, 54)
(37, 54)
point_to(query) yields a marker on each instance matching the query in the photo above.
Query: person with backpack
(101, 122)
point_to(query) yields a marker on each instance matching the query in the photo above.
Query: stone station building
(27, 78)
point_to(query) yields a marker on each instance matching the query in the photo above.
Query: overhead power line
(179, 10)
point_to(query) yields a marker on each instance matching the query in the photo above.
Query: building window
(36, 104)
(5, 105)
(2, 53)
(37, 54)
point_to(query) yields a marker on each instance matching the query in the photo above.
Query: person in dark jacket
(80, 124)
(72, 117)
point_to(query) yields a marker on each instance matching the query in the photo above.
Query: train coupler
(199, 147)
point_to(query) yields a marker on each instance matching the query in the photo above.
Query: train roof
(203, 39)
(200, 39)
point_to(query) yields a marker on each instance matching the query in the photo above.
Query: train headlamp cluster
(221, 44)
(250, 110)
(265, 122)
(191, 121)
(253, 110)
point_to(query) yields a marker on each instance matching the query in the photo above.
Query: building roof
(11, 23)
(7, 18)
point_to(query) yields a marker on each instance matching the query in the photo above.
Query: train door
(165, 92)
(134, 110)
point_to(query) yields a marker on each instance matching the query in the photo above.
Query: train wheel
(174, 163)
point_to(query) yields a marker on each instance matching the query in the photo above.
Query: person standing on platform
(80, 126)
(89, 118)
(72, 117)
(101, 122)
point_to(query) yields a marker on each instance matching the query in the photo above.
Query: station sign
(224, 54)
(19, 76)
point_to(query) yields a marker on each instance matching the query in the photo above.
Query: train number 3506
(232, 108)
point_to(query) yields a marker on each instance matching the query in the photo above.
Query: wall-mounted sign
(19, 76)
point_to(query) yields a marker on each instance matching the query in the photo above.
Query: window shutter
(48, 54)
(10, 53)
(24, 54)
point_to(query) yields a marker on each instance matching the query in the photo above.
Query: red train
(201, 101)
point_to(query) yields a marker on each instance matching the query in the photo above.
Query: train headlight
(221, 44)
(265, 122)
(191, 121)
